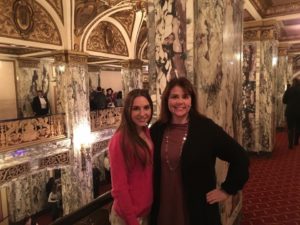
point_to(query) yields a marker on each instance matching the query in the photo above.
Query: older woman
(186, 145)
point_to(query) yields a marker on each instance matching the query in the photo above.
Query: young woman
(130, 154)
(186, 145)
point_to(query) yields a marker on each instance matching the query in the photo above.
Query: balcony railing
(96, 212)
(20, 133)
(106, 118)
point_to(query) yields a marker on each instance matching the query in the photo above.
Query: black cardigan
(205, 142)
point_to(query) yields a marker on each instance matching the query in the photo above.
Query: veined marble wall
(266, 96)
(30, 78)
(249, 94)
(132, 78)
(77, 179)
(218, 48)
(281, 83)
(27, 195)
(94, 80)
(170, 42)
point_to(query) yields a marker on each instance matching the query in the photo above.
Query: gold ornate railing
(20, 133)
(106, 118)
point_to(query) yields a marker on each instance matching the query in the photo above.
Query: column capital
(66, 56)
(133, 64)
(28, 63)
(261, 30)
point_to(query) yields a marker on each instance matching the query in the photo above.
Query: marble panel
(170, 42)
(249, 95)
(281, 82)
(132, 78)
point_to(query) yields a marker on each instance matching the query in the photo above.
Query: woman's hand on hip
(216, 195)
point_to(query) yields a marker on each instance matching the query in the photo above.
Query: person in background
(53, 201)
(130, 154)
(186, 145)
(110, 98)
(99, 99)
(119, 99)
(40, 104)
(96, 181)
(291, 98)
(29, 221)
(49, 185)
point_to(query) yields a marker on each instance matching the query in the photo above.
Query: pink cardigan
(132, 190)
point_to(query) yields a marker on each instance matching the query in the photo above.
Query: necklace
(168, 162)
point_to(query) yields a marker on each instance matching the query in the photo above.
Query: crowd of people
(100, 100)
(166, 175)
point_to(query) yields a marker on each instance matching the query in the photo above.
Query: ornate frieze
(282, 52)
(141, 52)
(60, 159)
(98, 147)
(107, 38)
(58, 7)
(9, 173)
(126, 19)
(261, 31)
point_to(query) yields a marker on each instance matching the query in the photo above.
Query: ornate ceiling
(112, 30)
(108, 30)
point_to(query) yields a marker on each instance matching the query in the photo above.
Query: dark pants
(293, 124)
(54, 210)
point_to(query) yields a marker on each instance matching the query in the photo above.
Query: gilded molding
(98, 147)
(107, 38)
(9, 173)
(126, 19)
(60, 159)
(106, 118)
(58, 7)
(28, 63)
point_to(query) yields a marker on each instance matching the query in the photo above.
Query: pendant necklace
(170, 166)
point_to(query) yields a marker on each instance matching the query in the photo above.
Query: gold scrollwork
(99, 146)
(12, 172)
(55, 160)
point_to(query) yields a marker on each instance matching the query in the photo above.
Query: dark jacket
(205, 142)
(291, 98)
(37, 108)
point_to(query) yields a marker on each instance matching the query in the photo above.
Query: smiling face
(140, 112)
(179, 104)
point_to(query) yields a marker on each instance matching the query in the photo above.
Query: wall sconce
(274, 61)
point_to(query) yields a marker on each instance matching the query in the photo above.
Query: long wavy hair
(165, 115)
(134, 148)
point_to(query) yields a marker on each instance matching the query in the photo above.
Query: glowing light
(274, 61)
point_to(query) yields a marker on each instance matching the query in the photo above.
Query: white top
(53, 197)
(43, 102)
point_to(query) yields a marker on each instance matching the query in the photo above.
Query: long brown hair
(130, 136)
(165, 115)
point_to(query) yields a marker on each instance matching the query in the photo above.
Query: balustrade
(106, 118)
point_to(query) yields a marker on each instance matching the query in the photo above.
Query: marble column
(202, 41)
(281, 84)
(132, 76)
(73, 99)
(259, 86)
